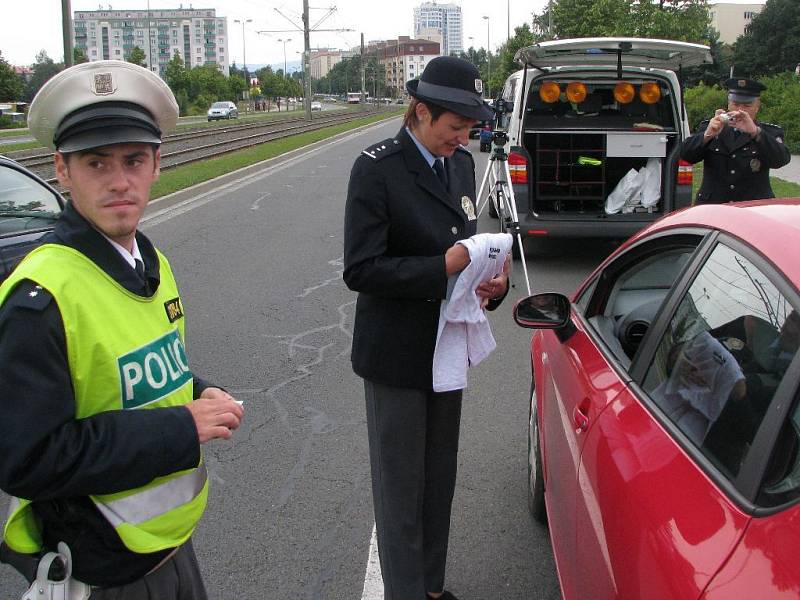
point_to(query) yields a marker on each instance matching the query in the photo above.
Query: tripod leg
(509, 219)
(480, 201)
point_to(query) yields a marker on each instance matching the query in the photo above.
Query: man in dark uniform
(737, 151)
(101, 419)
(410, 198)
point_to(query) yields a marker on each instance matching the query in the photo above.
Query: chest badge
(174, 309)
(755, 165)
(469, 208)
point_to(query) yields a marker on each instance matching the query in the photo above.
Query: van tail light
(518, 167)
(685, 173)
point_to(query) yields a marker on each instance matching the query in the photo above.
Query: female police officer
(410, 198)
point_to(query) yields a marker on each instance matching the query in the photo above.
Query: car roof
(770, 226)
(607, 51)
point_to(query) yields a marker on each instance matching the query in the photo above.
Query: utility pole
(66, 27)
(307, 60)
(306, 29)
(363, 73)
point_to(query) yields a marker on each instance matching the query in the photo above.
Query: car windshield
(219, 105)
(23, 196)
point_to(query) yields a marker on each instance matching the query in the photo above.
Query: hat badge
(742, 83)
(479, 86)
(103, 84)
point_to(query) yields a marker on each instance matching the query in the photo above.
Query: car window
(722, 356)
(22, 197)
(627, 296)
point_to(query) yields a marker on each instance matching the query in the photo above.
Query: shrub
(701, 102)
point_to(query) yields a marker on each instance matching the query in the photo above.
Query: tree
(43, 69)
(685, 20)
(771, 44)
(79, 56)
(12, 87)
(504, 64)
(137, 57)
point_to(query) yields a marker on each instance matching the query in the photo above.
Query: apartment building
(197, 34)
(444, 19)
(402, 59)
(322, 61)
(732, 20)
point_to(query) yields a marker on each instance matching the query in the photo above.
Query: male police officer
(101, 419)
(737, 151)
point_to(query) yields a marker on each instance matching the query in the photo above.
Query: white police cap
(101, 103)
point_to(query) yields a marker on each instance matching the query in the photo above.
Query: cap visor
(108, 136)
(742, 98)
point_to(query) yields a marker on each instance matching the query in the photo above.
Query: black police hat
(453, 84)
(744, 90)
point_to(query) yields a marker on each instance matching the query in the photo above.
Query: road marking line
(373, 580)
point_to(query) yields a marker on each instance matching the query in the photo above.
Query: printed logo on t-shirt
(153, 371)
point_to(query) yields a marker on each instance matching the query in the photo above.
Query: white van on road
(586, 113)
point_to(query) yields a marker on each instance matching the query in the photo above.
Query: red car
(664, 431)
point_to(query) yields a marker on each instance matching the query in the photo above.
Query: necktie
(438, 166)
(139, 267)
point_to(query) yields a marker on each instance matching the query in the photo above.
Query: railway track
(193, 146)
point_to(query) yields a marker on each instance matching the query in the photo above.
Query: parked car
(29, 208)
(316, 106)
(664, 429)
(222, 110)
(591, 111)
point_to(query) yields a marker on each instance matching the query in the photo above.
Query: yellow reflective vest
(125, 352)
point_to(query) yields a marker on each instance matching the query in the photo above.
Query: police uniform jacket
(736, 166)
(48, 456)
(399, 221)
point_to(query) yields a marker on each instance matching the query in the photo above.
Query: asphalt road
(258, 257)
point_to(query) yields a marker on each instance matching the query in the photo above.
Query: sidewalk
(790, 172)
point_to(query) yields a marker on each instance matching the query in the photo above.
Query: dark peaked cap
(744, 90)
(453, 84)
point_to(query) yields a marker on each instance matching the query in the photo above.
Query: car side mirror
(542, 311)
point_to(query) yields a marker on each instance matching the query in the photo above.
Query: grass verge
(781, 187)
(20, 146)
(189, 175)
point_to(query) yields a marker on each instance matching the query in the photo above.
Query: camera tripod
(500, 195)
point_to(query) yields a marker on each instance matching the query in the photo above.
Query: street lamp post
(284, 53)
(488, 61)
(244, 51)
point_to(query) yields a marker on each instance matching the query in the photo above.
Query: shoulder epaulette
(770, 125)
(382, 149)
(31, 295)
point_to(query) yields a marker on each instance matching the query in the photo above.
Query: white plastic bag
(626, 194)
(651, 187)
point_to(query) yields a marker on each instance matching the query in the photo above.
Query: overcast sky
(28, 26)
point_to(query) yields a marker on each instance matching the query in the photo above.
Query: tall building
(444, 19)
(402, 59)
(198, 35)
(322, 61)
(732, 20)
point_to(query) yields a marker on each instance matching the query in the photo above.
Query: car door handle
(580, 417)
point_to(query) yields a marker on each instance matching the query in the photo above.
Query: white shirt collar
(426, 154)
(130, 257)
